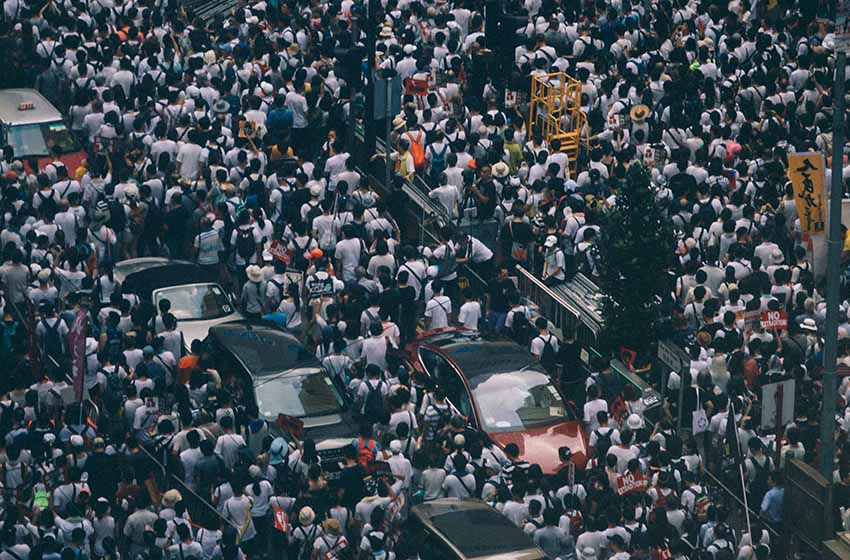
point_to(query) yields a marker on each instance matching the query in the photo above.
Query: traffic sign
(672, 355)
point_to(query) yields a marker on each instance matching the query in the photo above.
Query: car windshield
(195, 302)
(516, 400)
(313, 394)
(38, 139)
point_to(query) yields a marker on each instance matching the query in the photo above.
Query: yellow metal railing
(555, 108)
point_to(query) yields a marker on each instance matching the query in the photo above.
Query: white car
(197, 307)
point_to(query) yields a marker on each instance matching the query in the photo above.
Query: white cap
(77, 440)
(395, 446)
(315, 190)
(431, 271)
(551, 241)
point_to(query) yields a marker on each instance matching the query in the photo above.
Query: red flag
(77, 349)
(281, 520)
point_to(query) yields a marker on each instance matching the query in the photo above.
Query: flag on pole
(77, 348)
(732, 447)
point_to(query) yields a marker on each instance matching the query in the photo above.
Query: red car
(502, 390)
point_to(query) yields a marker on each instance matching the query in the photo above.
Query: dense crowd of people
(227, 142)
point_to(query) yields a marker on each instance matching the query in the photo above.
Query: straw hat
(399, 123)
(306, 516)
(639, 113)
(255, 273)
(501, 170)
(386, 32)
(170, 498)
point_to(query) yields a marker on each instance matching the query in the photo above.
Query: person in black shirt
(485, 194)
(498, 302)
(407, 309)
(176, 222)
(351, 479)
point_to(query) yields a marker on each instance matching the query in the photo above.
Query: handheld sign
(774, 320)
(630, 482)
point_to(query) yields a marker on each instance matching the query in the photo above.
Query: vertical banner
(77, 349)
(806, 172)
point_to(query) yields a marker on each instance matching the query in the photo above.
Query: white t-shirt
(469, 314)
(438, 309)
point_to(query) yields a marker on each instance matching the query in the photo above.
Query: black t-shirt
(518, 232)
(500, 291)
(177, 219)
(487, 209)
(352, 485)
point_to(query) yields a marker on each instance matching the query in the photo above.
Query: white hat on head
(634, 422)
(77, 441)
(432, 271)
(551, 241)
(315, 190)
(255, 273)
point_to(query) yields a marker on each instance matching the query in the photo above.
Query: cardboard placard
(630, 482)
(774, 320)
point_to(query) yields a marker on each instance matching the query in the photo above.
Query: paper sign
(774, 320)
(614, 120)
(806, 172)
(510, 98)
(278, 251)
(630, 482)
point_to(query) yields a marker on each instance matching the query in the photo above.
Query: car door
(449, 380)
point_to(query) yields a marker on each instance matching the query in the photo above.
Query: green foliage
(636, 242)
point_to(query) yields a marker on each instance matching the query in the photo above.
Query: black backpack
(52, 340)
(48, 203)
(603, 444)
(521, 328)
(245, 245)
(548, 357)
(299, 261)
(314, 212)
(117, 216)
(374, 408)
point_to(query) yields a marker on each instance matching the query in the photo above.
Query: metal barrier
(564, 314)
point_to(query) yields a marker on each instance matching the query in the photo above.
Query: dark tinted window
(264, 352)
(488, 357)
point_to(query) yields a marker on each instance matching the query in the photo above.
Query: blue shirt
(771, 505)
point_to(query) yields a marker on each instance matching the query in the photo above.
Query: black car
(280, 376)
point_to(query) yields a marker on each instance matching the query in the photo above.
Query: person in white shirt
(460, 483)
(227, 445)
(438, 309)
(189, 157)
(470, 312)
(592, 407)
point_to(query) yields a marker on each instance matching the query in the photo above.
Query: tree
(636, 241)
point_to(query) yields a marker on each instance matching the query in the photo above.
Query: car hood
(540, 445)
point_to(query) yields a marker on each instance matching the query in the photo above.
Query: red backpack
(365, 451)
(417, 150)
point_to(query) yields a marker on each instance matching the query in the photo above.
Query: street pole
(388, 173)
(369, 131)
(684, 373)
(834, 244)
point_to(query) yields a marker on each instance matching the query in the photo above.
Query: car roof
(493, 534)
(42, 110)
(251, 341)
(474, 353)
(151, 276)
